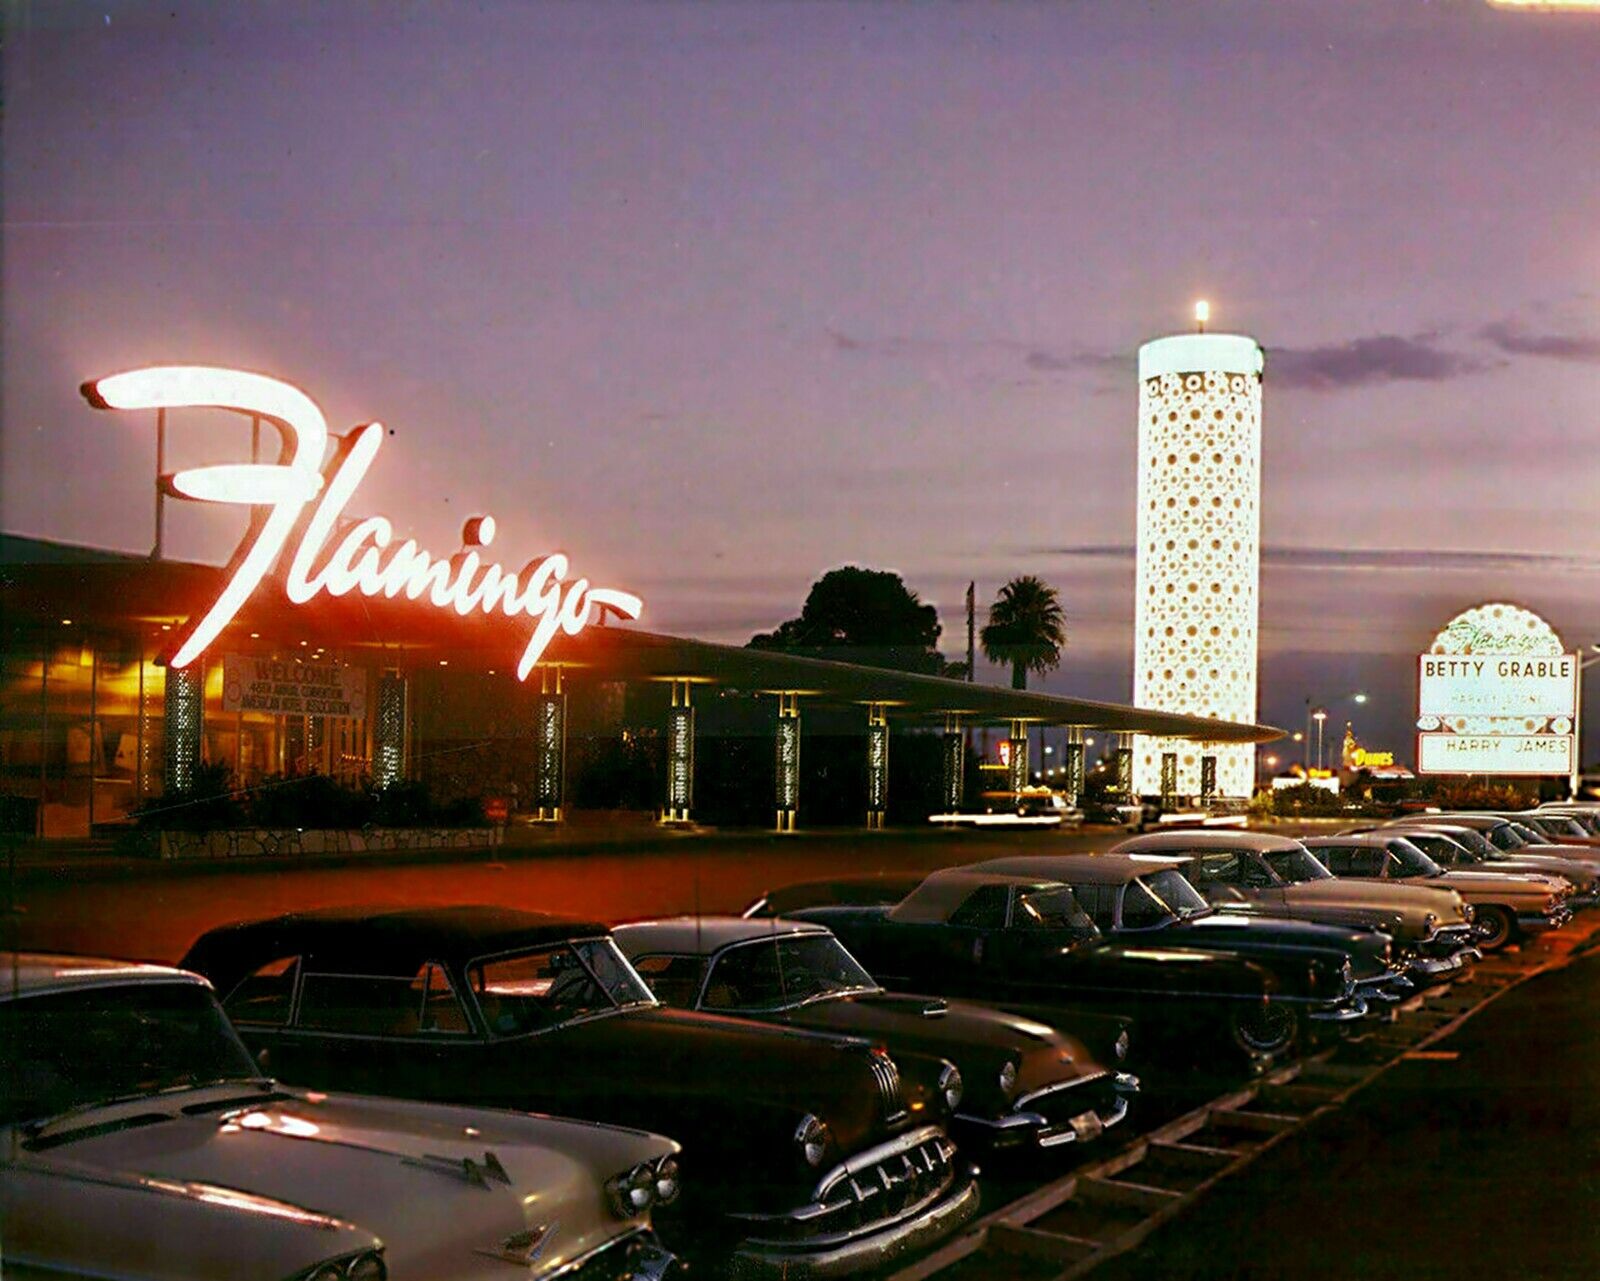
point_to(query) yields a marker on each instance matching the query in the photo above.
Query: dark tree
(864, 616)
(1026, 629)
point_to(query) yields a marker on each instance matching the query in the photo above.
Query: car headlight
(950, 1086)
(811, 1137)
(633, 1192)
(667, 1183)
(1008, 1077)
(1119, 1047)
(366, 1266)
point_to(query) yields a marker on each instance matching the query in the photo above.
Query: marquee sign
(251, 684)
(1496, 694)
(364, 559)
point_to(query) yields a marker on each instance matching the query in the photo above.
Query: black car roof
(365, 940)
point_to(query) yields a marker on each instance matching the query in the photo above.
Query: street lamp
(1319, 715)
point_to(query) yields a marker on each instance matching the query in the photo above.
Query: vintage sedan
(144, 1144)
(1461, 849)
(804, 1154)
(1270, 875)
(1027, 1083)
(1505, 907)
(1013, 932)
(1506, 835)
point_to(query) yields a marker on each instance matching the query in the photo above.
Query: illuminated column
(389, 731)
(1199, 545)
(788, 761)
(549, 747)
(877, 765)
(680, 755)
(1019, 755)
(1072, 765)
(955, 763)
(184, 726)
(1124, 765)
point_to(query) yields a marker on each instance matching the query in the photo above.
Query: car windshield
(782, 972)
(1474, 841)
(1411, 861)
(1054, 908)
(1160, 897)
(1441, 849)
(67, 1050)
(1505, 837)
(546, 987)
(1529, 835)
(1297, 865)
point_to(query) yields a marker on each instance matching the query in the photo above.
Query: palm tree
(1027, 628)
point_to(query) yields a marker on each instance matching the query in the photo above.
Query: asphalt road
(1479, 1159)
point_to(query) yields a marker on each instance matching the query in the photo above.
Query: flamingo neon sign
(366, 558)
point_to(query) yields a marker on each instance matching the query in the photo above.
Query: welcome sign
(292, 688)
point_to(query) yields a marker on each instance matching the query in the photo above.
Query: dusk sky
(716, 297)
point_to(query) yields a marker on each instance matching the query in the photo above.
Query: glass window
(1055, 908)
(783, 972)
(1172, 888)
(1407, 860)
(1141, 909)
(984, 908)
(1504, 837)
(441, 1009)
(265, 997)
(674, 979)
(70, 1049)
(1296, 866)
(1216, 869)
(541, 989)
(1351, 860)
(363, 1004)
(1100, 902)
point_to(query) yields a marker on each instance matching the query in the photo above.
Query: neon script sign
(365, 559)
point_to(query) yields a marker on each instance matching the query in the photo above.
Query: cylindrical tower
(1199, 554)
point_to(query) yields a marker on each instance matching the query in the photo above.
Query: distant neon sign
(365, 558)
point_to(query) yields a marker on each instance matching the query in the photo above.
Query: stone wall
(258, 842)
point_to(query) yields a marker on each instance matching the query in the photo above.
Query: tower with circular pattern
(1198, 556)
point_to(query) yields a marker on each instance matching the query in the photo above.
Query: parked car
(1456, 848)
(1505, 907)
(1027, 1083)
(1271, 875)
(804, 1154)
(1013, 932)
(144, 1143)
(1509, 836)
(1555, 827)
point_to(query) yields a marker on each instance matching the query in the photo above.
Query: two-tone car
(145, 1144)
(1505, 907)
(1027, 1083)
(1014, 932)
(1259, 873)
(804, 1154)
(1457, 848)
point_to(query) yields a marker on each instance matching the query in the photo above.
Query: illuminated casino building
(1199, 556)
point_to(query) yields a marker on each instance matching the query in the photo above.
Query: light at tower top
(1199, 553)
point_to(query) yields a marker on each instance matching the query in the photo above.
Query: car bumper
(640, 1258)
(1350, 1010)
(1537, 922)
(1445, 942)
(1028, 1127)
(800, 1262)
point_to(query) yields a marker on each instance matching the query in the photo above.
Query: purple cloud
(1361, 362)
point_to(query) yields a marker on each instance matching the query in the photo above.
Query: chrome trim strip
(1023, 1103)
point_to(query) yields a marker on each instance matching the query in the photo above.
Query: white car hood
(438, 1185)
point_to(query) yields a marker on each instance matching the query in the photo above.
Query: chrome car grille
(871, 1191)
(886, 1076)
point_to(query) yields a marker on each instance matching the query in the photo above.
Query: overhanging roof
(43, 582)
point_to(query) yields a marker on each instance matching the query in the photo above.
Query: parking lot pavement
(1478, 1157)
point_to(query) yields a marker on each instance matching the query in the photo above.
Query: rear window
(266, 997)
